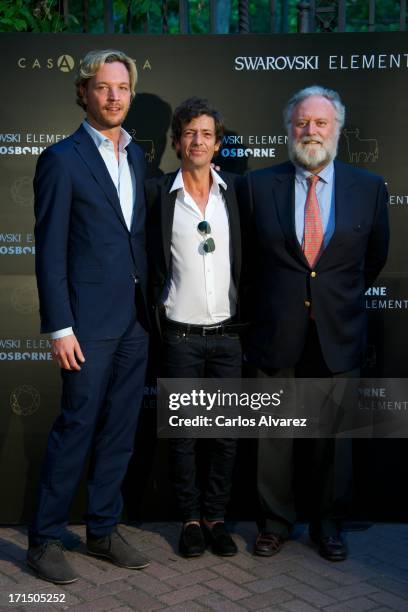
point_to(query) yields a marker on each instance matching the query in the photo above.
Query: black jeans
(194, 356)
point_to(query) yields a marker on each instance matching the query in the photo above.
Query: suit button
(313, 274)
(307, 303)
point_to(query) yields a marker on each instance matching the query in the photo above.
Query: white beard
(312, 156)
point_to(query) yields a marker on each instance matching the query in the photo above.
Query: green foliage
(260, 19)
(95, 16)
(29, 16)
(386, 15)
(199, 17)
(146, 16)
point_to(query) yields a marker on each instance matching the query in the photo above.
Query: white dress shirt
(122, 176)
(200, 289)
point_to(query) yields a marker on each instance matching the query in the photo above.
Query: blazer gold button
(307, 303)
(313, 274)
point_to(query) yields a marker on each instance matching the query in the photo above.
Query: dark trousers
(194, 356)
(329, 461)
(99, 411)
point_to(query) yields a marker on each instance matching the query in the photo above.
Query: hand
(67, 352)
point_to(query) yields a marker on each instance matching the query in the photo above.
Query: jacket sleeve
(52, 207)
(377, 248)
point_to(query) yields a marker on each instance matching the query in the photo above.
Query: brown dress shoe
(268, 544)
(332, 548)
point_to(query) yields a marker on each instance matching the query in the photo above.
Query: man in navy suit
(319, 239)
(91, 275)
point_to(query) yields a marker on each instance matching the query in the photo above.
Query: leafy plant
(29, 16)
(146, 16)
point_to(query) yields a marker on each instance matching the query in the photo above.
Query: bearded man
(317, 239)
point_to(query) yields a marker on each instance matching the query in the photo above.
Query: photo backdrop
(249, 79)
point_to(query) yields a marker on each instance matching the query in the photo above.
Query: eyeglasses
(204, 229)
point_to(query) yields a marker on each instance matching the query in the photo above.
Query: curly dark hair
(190, 109)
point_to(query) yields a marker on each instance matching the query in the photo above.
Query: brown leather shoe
(332, 548)
(268, 544)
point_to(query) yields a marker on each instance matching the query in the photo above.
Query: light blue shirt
(325, 197)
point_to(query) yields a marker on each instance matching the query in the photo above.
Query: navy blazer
(86, 258)
(282, 283)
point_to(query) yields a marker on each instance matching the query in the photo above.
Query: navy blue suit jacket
(86, 258)
(282, 284)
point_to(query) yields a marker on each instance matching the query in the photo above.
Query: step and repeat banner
(249, 79)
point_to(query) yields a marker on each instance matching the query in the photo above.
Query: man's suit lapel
(344, 208)
(235, 230)
(284, 192)
(94, 162)
(138, 204)
(168, 202)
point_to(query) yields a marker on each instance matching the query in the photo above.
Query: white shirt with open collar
(200, 289)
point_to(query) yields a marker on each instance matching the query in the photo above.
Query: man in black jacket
(195, 260)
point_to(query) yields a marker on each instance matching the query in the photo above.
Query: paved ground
(374, 578)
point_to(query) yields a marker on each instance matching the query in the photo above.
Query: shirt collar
(99, 139)
(178, 182)
(326, 175)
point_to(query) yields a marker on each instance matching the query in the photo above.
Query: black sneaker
(49, 562)
(221, 542)
(192, 543)
(115, 548)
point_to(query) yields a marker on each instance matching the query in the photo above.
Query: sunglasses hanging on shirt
(204, 228)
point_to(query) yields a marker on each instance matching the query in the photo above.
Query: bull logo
(360, 150)
(147, 146)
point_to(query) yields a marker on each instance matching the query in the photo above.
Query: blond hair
(93, 61)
